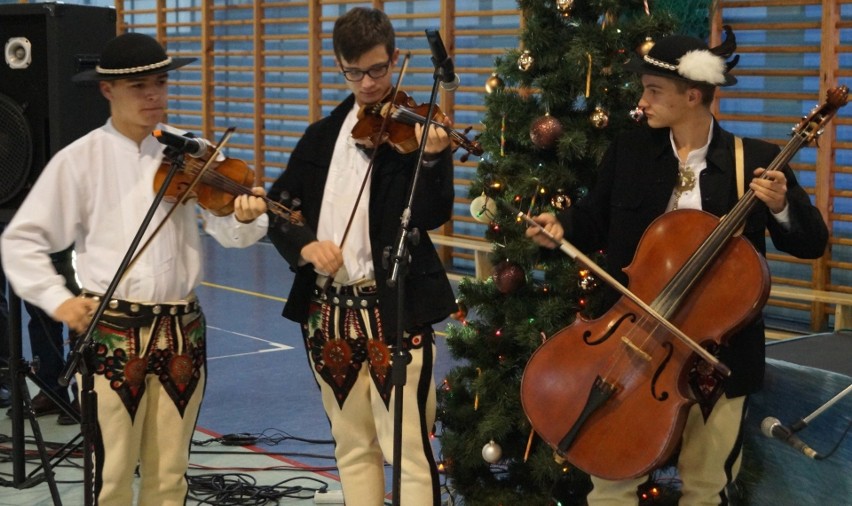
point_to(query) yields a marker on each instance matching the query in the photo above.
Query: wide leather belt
(350, 297)
(148, 309)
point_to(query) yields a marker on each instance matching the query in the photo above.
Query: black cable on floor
(242, 489)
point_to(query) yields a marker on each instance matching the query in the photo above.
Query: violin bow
(185, 196)
(570, 250)
(376, 143)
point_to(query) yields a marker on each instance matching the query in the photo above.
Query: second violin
(403, 113)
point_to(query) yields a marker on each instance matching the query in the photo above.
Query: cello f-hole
(664, 395)
(610, 330)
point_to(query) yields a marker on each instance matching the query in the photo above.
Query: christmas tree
(552, 108)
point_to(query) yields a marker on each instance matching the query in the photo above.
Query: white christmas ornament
(492, 452)
(483, 209)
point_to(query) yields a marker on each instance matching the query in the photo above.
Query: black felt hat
(131, 55)
(689, 59)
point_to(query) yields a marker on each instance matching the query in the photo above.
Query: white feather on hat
(702, 66)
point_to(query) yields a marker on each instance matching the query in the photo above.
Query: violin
(611, 395)
(218, 186)
(403, 113)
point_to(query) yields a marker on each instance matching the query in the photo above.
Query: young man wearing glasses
(349, 329)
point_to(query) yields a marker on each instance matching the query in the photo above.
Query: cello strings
(671, 295)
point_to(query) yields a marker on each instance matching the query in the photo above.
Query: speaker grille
(16, 149)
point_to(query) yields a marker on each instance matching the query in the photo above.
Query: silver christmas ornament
(492, 452)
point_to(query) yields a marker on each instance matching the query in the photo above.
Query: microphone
(772, 427)
(440, 59)
(192, 146)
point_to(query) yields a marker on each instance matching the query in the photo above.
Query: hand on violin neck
(437, 141)
(549, 233)
(247, 207)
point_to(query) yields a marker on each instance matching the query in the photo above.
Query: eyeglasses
(375, 72)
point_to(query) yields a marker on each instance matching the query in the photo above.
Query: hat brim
(94, 75)
(640, 66)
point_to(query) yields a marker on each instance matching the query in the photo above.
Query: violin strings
(228, 185)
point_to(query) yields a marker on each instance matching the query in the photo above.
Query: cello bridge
(636, 349)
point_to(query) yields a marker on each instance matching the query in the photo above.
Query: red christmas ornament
(508, 277)
(545, 131)
(461, 314)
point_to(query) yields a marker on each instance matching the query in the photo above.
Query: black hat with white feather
(690, 59)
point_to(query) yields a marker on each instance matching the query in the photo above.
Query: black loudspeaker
(41, 110)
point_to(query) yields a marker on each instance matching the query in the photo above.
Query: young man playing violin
(683, 159)
(149, 358)
(349, 322)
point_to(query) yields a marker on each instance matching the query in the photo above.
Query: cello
(610, 395)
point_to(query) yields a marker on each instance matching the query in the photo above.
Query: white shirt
(345, 175)
(95, 193)
(696, 161)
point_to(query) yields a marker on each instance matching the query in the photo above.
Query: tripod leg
(47, 473)
(20, 397)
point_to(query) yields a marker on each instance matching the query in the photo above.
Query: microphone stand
(82, 353)
(803, 422)
(396, 279)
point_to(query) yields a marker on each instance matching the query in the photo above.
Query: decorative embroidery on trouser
(175, 353)
(340, 340)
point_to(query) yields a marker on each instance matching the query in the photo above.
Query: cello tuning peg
(463, 158)
(468, 129)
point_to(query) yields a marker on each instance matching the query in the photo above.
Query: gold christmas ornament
(565, 7)
(560, 200)
(525, 61)
(493, 83)
(599, 118)
(545, 131)
(645, 46)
